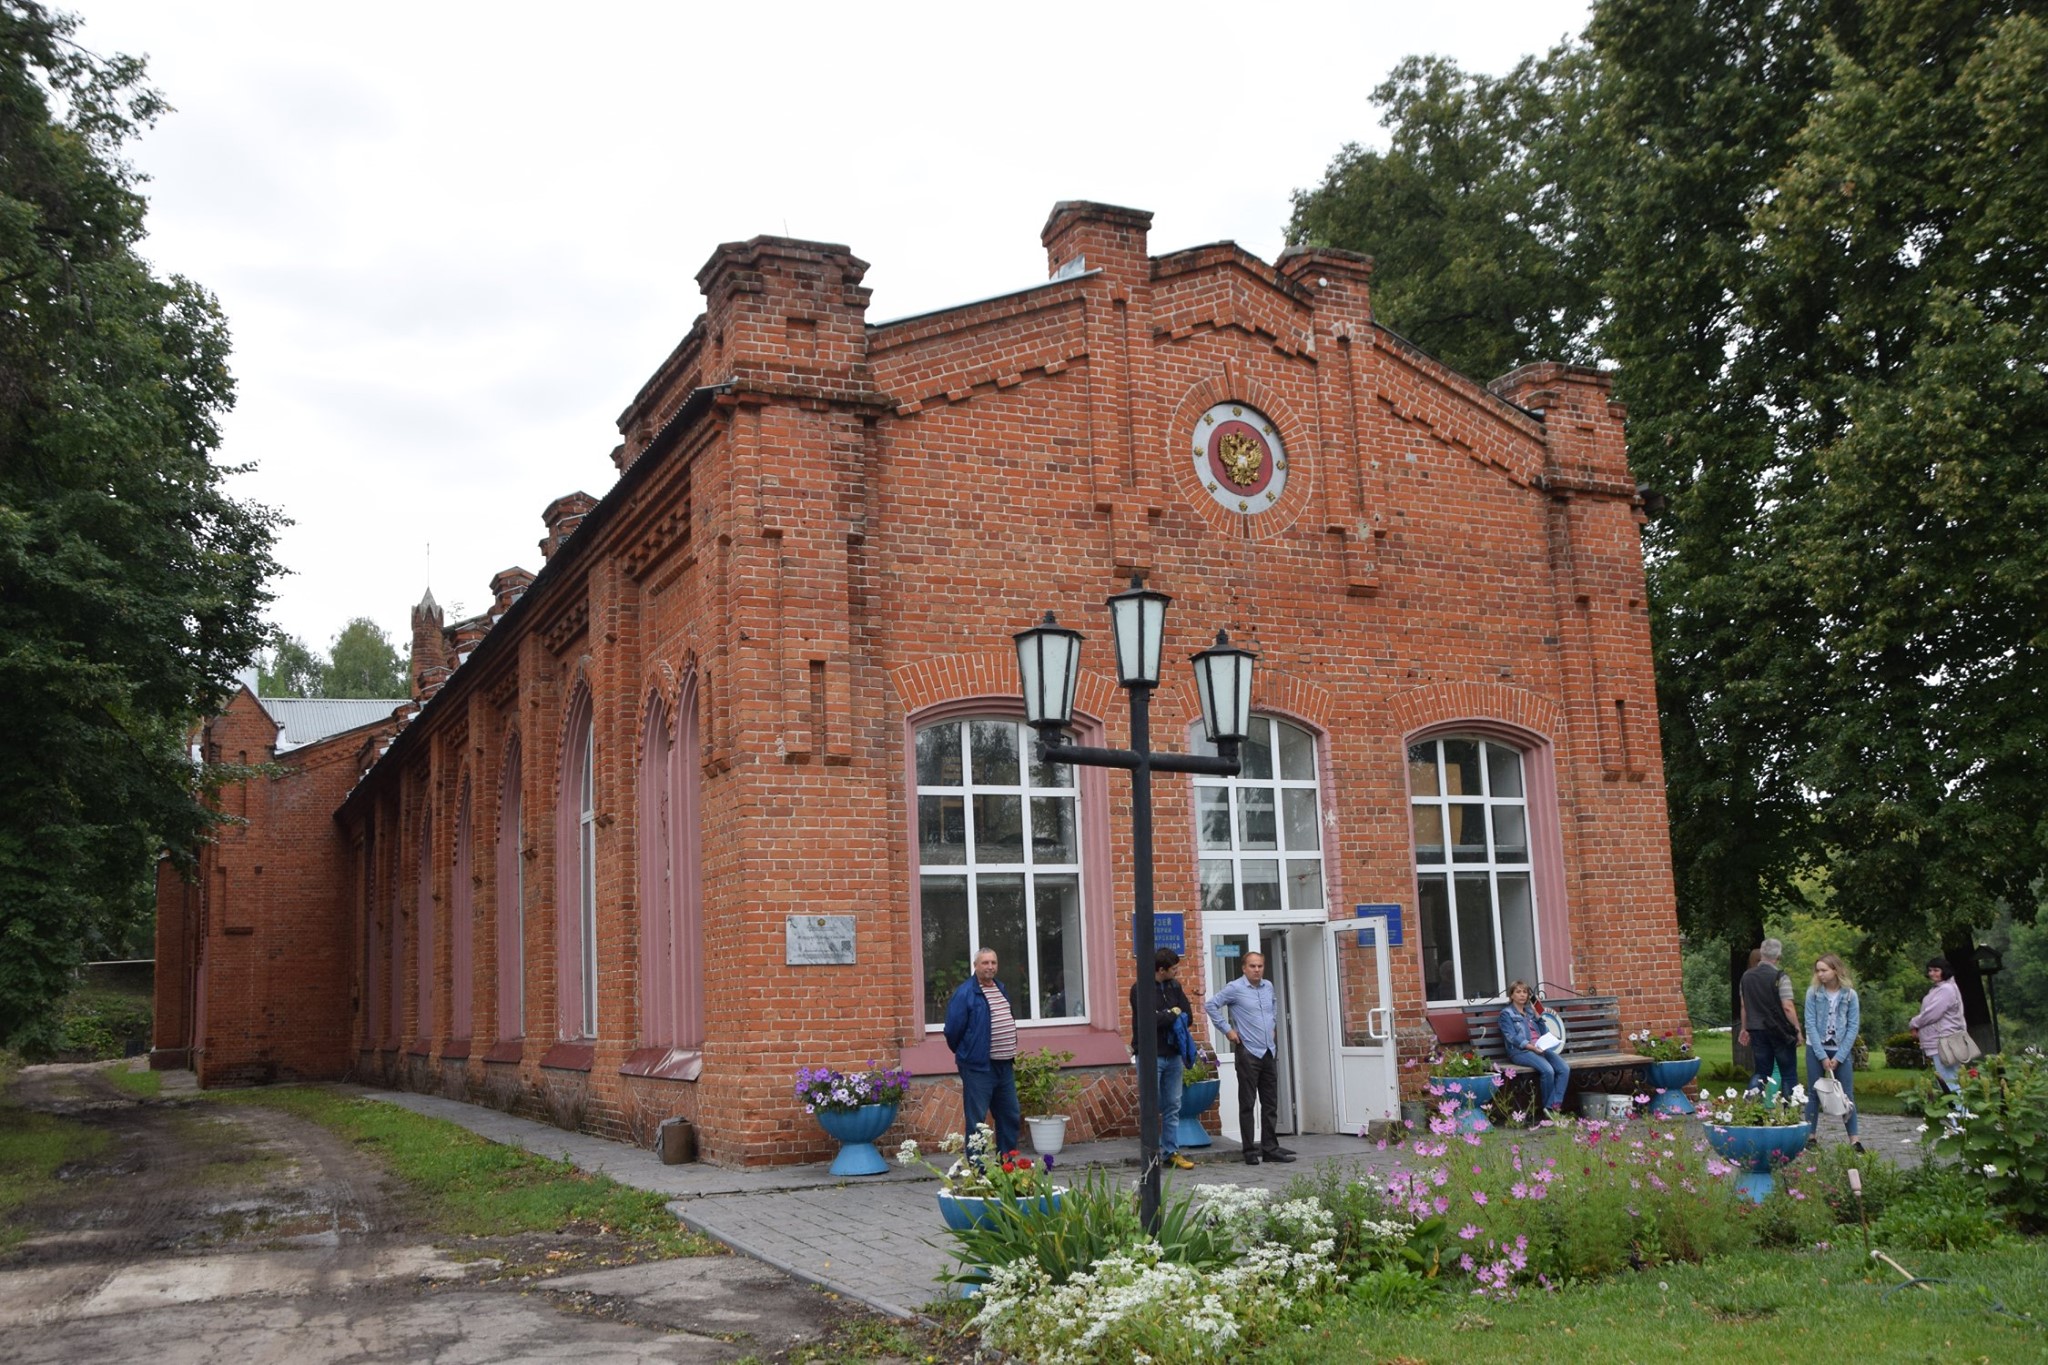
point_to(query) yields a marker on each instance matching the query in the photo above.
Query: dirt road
(236, 1233)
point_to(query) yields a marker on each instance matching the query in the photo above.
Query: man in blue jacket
(983, 1035)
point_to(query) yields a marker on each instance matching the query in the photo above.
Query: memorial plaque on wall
(820, 940)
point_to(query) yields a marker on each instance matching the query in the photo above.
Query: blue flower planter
(1195, 1100)
(1473, 1094)
(964, 1211)
(856, 1133)
(1761, 1149)
(1667, 1085)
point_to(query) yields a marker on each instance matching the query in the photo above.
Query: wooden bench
(1592, 1044)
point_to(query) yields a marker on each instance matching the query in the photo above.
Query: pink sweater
(1941, 1014)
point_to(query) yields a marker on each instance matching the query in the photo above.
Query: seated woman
(1520, 1027)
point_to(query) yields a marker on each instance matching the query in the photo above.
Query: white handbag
(1833, 1101)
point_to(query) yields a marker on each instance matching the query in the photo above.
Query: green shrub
(1902, 1050)
(91, 1026)
(1996, 1126)
(1355, 1199)
(1939, 1209)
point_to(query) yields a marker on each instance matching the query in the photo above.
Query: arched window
(373, 940)
(671, 951)
(999, 866)
(1474, 885)
(576, 882)
(511, 890)
(1260, 833)
(423, 920)
(461, 935)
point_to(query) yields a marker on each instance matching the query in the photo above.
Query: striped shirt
(1002, 1027)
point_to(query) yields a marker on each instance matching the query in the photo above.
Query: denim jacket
(1518, 1028)
(1848, 1019)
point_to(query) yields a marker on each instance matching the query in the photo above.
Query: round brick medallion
(1239, 458)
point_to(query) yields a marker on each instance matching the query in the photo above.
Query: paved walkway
(877, 1239)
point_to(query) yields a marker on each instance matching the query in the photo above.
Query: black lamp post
(1048, 661)
(1990, 962)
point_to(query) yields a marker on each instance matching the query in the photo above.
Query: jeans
(1258, 1079)
(1772, 1051)
(1552, 1074)
(993, 1093)
(1951, 1076)
(1845, 1072)
(1169, 1105)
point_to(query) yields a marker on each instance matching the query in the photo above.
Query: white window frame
(586, 878)
(1450, 868)
(1024, 1002)
(1237, 855)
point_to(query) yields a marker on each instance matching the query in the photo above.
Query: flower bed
(842, 1092)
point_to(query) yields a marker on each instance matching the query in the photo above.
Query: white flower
(1921, 1129)
(1990, 1169)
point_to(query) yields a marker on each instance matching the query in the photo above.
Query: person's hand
(1830, 1064)
(1233, 1037)
(1742, 1037)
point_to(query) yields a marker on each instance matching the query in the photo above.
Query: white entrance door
(1334, 1027)
(1360, 1013)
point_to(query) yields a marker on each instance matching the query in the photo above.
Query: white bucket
(1599, 1104)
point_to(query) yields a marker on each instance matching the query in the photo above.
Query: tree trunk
(1959, 946)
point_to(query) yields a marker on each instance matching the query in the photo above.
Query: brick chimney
(1083, 235)
(429, 648)
(562, 517)
(507, 587)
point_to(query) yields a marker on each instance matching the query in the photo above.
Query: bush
(1043, 1087)
(1902, 1050)
(1940, 1209)
(1996, 1125)
(91, 1026)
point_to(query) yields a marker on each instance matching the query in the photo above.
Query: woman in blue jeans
(1833, 1017)
(1520, 1026)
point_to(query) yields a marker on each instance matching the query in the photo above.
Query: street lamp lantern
(1048, 658)
(1049, 661)
(1223, 676)
(1140, 619)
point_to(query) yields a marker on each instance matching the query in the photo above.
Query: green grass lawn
(1755, 1306)
(145, 1085)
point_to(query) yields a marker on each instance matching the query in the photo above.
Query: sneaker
(1181, 1163)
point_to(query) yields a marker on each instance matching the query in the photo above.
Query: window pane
(1504, 770)
(1422, 769)
(1304, 883)
(946, 964)
(995, 753)
(1297, 753)
(1468, 833)
(1261, 883)
(1433, 910)
(1049, 774)
(1300, 807)
(1052, 829)
(998, 829)
(1257, 751)
(1429, 834)
(1212, 816)
(1060, 993)
(1000, 903)
(1518, 926)
(1219, 897)
(1226, 958)
(1461, 767)
(1510, 834)
(1255, 827)
(1480, 967)
(938, 756)
(941, 830)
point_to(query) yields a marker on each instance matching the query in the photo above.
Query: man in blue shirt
(1253, 1007)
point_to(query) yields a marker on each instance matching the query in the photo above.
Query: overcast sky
(453, 240)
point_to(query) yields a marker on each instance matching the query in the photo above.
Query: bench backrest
(1592, 1025)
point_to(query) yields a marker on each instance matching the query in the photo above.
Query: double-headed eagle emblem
(1243, 456)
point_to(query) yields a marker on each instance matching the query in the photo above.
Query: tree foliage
(130, 581)
(291, 670)
(361, 663)
(1813, 237)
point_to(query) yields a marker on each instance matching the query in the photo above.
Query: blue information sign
(1170, 931)
(1390, 914)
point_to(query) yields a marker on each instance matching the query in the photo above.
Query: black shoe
(1251, 1158)
(1278, 1151)
(1857, 1145)
(1282, 1155)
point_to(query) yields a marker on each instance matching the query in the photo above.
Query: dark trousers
(1773, 1051)
(993, 1093)
(1258, 1079)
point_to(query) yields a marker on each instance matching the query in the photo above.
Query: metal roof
(308, 720)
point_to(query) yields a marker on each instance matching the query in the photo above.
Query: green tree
(364, 663)
(130, 582)
(292, 670)
(1816, 233)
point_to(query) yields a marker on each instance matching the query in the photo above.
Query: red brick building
(736, 783)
